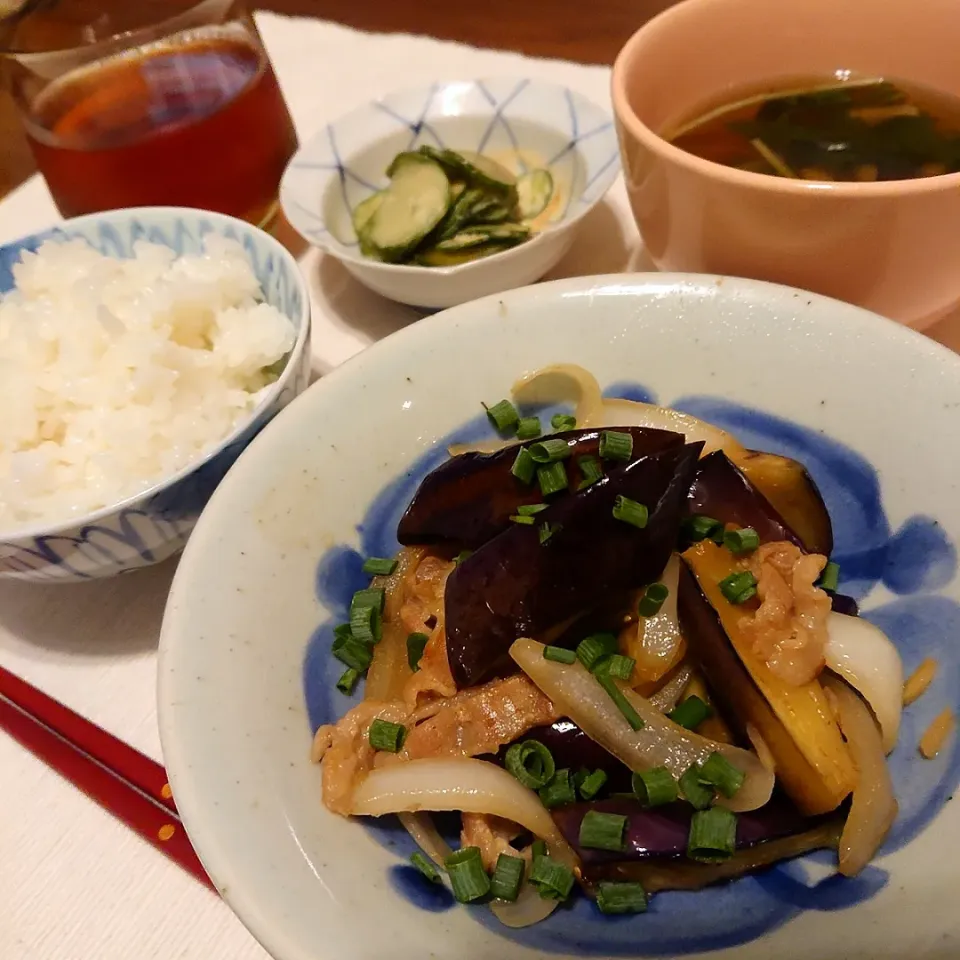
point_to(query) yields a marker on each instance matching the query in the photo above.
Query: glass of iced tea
(183, 112)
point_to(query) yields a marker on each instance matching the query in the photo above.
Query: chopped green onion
(387, 736)
(602, 831)
(547, 530)
(348, 680)
(591, 650)
(416, 644)
(617, 666)
(830, 578)
(379, 566)
(713, 835)
(427, 867)
(629, 511)
(739, 542)
(461, 556)
(503, 415)
(579, 777)
(653, 599)
(559, 791)
(352, 652)
(468, 879)
(563, 421)
(592, 471)
(507, 877)
(739, 587)
(549, 451)
(622, 703)
(719, 771)
(553, 880)
(615, 445)
(621, 897)
(690, 713)
(699, 794)
(552, 478)
(701, 527)
(559, 654)
(342, 631)
(655, 787)
(524, 467)
(538, 849)
(592, 784)
(528, 428)
(523, 521)
(531, 509)
(365, 624)
(531, 763)
(370, 597)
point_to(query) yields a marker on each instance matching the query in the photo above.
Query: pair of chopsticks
(130, 786)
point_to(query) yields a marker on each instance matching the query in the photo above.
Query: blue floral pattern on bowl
(155, 525)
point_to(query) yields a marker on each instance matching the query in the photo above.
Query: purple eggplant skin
(470, 498)
(515, 586)
(845, 605)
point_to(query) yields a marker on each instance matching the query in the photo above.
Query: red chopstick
(123, 781)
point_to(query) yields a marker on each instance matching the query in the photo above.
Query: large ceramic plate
(245, 675)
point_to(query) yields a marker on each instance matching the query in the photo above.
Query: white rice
(115, 374)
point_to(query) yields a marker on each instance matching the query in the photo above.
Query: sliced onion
(874, 807)
(655, 642)
(529, 908)
(866, 658)
(421, 827)
(667, 697)
(458, 783)
(563, 383)
(660, 742)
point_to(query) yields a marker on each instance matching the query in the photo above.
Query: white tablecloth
(74, 883)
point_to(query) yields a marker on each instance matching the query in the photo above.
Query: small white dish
(245, 672)
(521, 123)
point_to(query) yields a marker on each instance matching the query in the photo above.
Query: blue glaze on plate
(910, 562)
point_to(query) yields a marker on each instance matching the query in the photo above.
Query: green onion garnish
(342, 631)
(559, 654)
(524, 467)
(352, 652)
(739, 587)
(538, 849)
(416, 644)
(559, 791)
(553, 880)
(547, 530)
(830, 578)
(653, 599)
(461, 556)
(629, 511)
(348, 680)
(741, 541)
(615, 445)
(528, 428)
(622, 703)
(592, 784)
(549, 451)
(552, 478)
(365, 624)
(503, 415)
(617, 666)
(370, 597)
(719, 771)
(621, 897)
(427, 867)
(531, 509)
(387, 736)
(655, 787)
(713, 835)
(591, 650)
(531, 763)
(699, 794)
(602, 831)
(468, 879)
(507, 877)
(379, 566)
(563, 421)
(523, 521)
(592, 471)
(690, 713)
(701, 527)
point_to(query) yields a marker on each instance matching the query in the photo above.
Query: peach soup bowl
(892, 247)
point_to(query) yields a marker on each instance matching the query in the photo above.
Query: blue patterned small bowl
(521, 123)
(155, 524)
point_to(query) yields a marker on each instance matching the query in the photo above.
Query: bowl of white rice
(140, 352)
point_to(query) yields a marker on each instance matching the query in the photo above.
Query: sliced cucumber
(453, 258)
(404, 159)
(459, 213)
(508, 234)
(489, 210)
(413, 204)
(534, 190)
(488, 172)
(365, 209)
